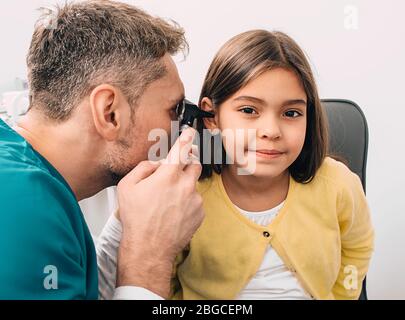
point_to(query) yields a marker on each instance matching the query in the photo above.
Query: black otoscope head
(188, 112)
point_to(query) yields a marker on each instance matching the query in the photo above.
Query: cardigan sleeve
(357, 239)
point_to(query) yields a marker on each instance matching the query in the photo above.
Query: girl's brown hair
(245, 57)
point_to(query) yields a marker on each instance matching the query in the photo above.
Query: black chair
(348, 134)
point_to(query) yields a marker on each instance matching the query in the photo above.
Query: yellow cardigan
(323, 233)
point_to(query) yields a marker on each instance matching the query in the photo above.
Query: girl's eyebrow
(250, 98)
(294, 102)
(261, 101)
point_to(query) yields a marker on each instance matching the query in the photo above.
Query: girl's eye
(292, 114)
(248, 110)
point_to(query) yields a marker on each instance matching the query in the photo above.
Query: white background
(365, 65)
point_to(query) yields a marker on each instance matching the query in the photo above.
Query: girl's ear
(206, 105)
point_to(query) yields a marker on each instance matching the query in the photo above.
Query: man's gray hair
(84, 44)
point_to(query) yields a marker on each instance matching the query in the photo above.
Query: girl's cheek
(298, 140)
(234, 144)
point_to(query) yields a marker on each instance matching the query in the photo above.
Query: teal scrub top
(46, 249)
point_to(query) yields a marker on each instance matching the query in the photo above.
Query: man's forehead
(179, 95)
(173, 83)
(178, 99)
(175, 91)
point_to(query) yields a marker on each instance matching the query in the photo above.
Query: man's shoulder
(27, 179)
(31, 195)
(22, 170)
(40, 218)
(40, 231)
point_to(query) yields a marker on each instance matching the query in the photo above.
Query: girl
(297, 226)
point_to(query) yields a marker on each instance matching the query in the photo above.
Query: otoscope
(187, 112)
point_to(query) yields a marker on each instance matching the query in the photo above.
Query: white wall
(365, 65)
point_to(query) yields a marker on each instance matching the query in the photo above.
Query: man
(101, 78)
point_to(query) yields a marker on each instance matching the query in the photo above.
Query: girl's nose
(271, 131)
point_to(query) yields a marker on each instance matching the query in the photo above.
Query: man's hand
(160, 210)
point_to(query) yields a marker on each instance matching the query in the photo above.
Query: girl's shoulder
(205, 184)
(337, 173)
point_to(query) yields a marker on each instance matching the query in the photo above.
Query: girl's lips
(268, 151)
(268, 154)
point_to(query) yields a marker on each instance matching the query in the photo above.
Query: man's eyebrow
(261, 101)
(178, 100)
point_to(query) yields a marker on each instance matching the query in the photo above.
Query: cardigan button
(266, 234)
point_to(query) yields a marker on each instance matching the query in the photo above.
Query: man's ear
(108, 106)
(207, 105)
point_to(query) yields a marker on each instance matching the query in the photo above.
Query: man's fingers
(195, 151)
(194, 168)
(184, 156)
(179, 153)
(143, 170)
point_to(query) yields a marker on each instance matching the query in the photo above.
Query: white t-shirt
(273, 280)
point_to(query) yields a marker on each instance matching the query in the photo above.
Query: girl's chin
(259, 170)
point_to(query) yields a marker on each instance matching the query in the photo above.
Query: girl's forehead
(273, 86)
